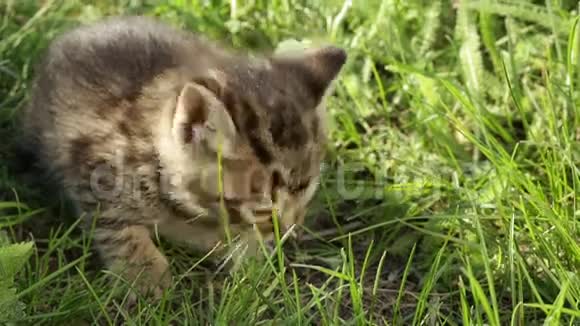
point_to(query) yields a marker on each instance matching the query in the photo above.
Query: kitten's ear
(191, 113)
(214, 81)
(199, 114)
(316, 68)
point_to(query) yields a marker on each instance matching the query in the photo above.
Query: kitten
(156, 131)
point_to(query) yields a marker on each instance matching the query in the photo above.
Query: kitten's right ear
(191, 113)
(316, 68)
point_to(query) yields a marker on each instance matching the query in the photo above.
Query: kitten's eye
(277, 180)
(300, 187)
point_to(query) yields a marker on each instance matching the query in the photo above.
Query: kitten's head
(264, 121)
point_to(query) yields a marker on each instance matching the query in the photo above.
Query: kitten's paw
(148, 279)
(156, 279)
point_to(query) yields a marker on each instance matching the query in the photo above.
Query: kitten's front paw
(148, 278)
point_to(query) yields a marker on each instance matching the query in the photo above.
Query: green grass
(449, 195)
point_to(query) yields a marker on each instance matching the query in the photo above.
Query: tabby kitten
(155, 131)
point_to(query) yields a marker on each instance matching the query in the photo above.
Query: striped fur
(131, 114)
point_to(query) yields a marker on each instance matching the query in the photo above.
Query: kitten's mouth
(259, 217)
(241, 214)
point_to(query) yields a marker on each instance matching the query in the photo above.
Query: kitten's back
(91, 77)
(116, 57)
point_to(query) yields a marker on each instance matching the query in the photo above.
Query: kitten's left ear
(316, 68)
(191, 112)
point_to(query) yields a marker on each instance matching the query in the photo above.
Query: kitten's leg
(128, 250)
